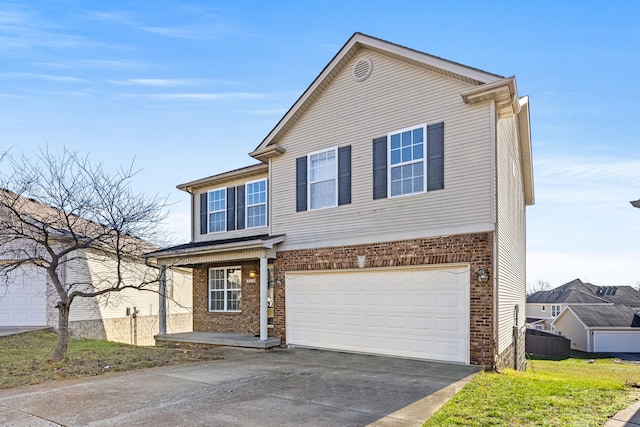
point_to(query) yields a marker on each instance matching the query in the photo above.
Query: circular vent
(362, 69)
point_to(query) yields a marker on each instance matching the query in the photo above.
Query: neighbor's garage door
(616, 341)
(23, 298)
(420, 313)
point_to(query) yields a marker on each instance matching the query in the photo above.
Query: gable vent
(362, 69)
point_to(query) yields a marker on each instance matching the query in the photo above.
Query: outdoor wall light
(483, 275)
(252, 274)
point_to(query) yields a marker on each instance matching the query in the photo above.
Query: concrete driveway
(247, 387)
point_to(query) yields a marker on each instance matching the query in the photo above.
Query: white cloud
(50, 77)
(158, 82)
(226, 96)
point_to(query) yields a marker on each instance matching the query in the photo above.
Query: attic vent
(362, 69)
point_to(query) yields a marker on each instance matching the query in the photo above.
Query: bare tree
(540, 285)
(57, 209)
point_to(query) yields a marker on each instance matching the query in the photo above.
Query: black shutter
(380, 168)
(204, 213)
(231, 208)
(344, 175)
(301, 184)
(240, 207)
(435, 156)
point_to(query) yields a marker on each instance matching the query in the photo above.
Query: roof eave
(251, 244)
(226, 176)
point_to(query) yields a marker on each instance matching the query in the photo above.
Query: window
(224, 289)
(555, 310)
(323, 183)
(406, 161)
(256, 203)
(217, 210)
(544, 308)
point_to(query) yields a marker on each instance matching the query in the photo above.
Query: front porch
(218, 339)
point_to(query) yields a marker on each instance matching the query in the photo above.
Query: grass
(26, 358)
(572, 392)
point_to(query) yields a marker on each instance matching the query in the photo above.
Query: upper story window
(406, 161)
(555, 310)
(323, 179)
(409, 161)
(217, 210)
(256, 203)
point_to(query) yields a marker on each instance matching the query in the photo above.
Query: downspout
(494, 258)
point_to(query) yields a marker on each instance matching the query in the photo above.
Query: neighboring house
(28, 298)
(600, 328)
(386, 215)
(544, 306)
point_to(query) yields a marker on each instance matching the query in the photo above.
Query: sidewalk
(627, 417)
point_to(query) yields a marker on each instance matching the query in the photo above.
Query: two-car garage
(410, 312)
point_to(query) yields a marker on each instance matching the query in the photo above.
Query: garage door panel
(413, 313)
(616, 341)
(23, 298)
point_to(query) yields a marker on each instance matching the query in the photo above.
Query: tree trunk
(63, 331)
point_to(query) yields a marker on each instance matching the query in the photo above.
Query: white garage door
(416, 313)
(616, 341)
(22, 298)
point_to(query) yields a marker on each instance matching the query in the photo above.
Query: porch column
(264, 304)
(162, 310)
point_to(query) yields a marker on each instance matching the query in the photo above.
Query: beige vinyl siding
(395, 96)
(573, 329)
(511, 248)
(228, 234)
(90, 270)
(535, 310)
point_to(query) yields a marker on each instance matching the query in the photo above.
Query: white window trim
(224, 291)
(246, 203)
(557, 312)
(424, 160)
(334, 149)
(543, 308)
(209, 212)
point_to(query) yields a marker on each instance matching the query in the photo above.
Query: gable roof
(606, 316)
(578, 292)
(357, 42)
(484, 86)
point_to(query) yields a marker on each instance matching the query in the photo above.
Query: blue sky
(188, 88)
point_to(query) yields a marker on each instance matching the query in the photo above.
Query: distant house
(544, 306)
(594, 318)
(386, 215)
(600, 328)
(28, 297)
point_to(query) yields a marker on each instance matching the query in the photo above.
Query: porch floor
(219, 339)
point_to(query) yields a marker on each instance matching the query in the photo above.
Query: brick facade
(247, 321)
(475, 249)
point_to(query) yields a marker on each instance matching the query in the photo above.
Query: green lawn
(570, 392)
(26, 358)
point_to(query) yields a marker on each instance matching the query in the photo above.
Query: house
(385, 215)
(28, 297)
(600, 328)
(544, 306)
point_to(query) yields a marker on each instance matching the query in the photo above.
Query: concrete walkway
(627, 417)
(247, 387)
